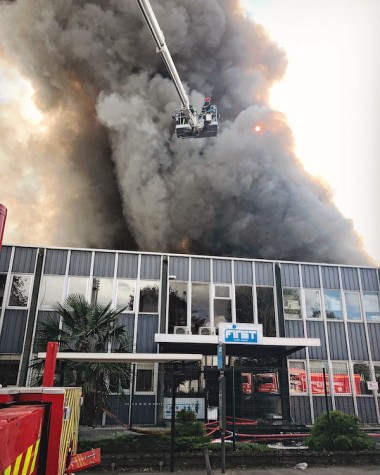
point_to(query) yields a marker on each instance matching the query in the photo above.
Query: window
(148, 296)
(222, 291)
(341, 378)
(3, 280)
(200, 307)
(126, 294)
(317, 379)
(333, 304)
(244, 304)
(20, 291)
(78, 285)
(353, 308)
(361, 376)
(103, 289)
(144, 380)
(222, 304)
(297, 377)
(8, 372)
(377, 373)
(177, 305)
(313, 303)
(51, 291)
(292, 303)
(371, 306)
(265, 310)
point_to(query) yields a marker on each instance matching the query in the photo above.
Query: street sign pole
(222, 403)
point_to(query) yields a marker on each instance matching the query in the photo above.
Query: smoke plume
(109, 172)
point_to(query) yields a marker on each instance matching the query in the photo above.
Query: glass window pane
(292, 303)
(265, 310)
(353, 306)
(297, 377)
(177, 305)
(222, 311)
(313, 303)
(104, 291)
(317, 378)
(149, 296)
(200, 307)
(377, 374)
(361, 376)
(244, 304)
(371, 306)
(341, 378)
(3, 280)
(20, 290)
(222, 291)
(333, 305)
(51, 291)
(126, 294)
(144, 380)
(78, 285)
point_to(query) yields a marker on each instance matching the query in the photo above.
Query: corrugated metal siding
(143, 409)
(12, 334)
(337, 339)
(146, 328)
(128, 320)
(119, 407)
(319, 404)
(316, 330)
(150, 267)
(200, 270)
(5, 257)
(358, 345)
(222, 271)
(55, 262)
(243, 273)
(179, 266)
(80, 263)
(24, 260)
(330, 277)
(264, 273)
(289, 275)
(374, 338)
(294, 329)
(104, 264)
(369, 280)
(345, 404)
(300, 409)
(350, 278)
(366, 409)
(310, 276)
(127, 266)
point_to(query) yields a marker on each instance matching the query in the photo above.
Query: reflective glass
(149, 296)
(222, 291)
(353, 306)
(78, 285)
(3, 279)
(51, 291)
(371, 306)
(333, 304)
(144, 380)
(126, 294)
(265, 310)
(292, 303)
(361, 376)
(222, 311)
(104, 292)
(177, 305)
(200, 307)
(313, 303)
(20, 290)
(317, 379)
(297, 377)
(341, 378)
(244, 304)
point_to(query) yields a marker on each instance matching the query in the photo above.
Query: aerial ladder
(188, 123)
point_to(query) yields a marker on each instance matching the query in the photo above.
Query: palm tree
(80, 326)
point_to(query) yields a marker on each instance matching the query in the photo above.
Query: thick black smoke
(94, 66)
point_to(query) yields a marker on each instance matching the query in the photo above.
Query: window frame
(117, 305)
(320, 304)
(145, 367)
(41, 298)
(329, 319)
(300, 303)
(298, 393)
(157, 283)
(365, 293)
(30, 291)
(361, 309)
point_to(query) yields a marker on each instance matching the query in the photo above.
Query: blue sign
(249, 334)
(220, 356)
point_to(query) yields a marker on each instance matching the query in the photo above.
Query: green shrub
(187, 424)
(340, 433)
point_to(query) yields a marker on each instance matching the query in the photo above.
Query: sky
(331, 96)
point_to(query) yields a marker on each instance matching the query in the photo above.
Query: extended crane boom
(188, 122)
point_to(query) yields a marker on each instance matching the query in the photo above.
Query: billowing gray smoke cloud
(242, 194)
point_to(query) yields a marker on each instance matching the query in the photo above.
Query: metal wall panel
(24, 260)
(350, 278)
(179, 267)
(150, 267)
(289, 275)
(300, 409)
(243, 273)
(264, 273)
(127, 266)
(337, 340)
(128, 320)
(80, 263)
(12, 334)
(330, 277)
(358, 342)
(104, 264)
(366, 409)
(310, 276)
(294, 329)
(119, 408)
(222, 271)
(316, 330)
(55, 262)
(319, 404)
(345, 404)
(5, 257)
(146, 328)
(143, 409)
(200, 270)
(369, 280)
(374, 338)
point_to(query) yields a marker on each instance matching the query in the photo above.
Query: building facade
(175, 303)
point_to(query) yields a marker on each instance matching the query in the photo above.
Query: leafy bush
(187, 424)
(340, 433)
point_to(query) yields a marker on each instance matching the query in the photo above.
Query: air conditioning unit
(182, 330)
(206, 331)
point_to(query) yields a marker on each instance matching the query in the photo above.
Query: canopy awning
(125, 357)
